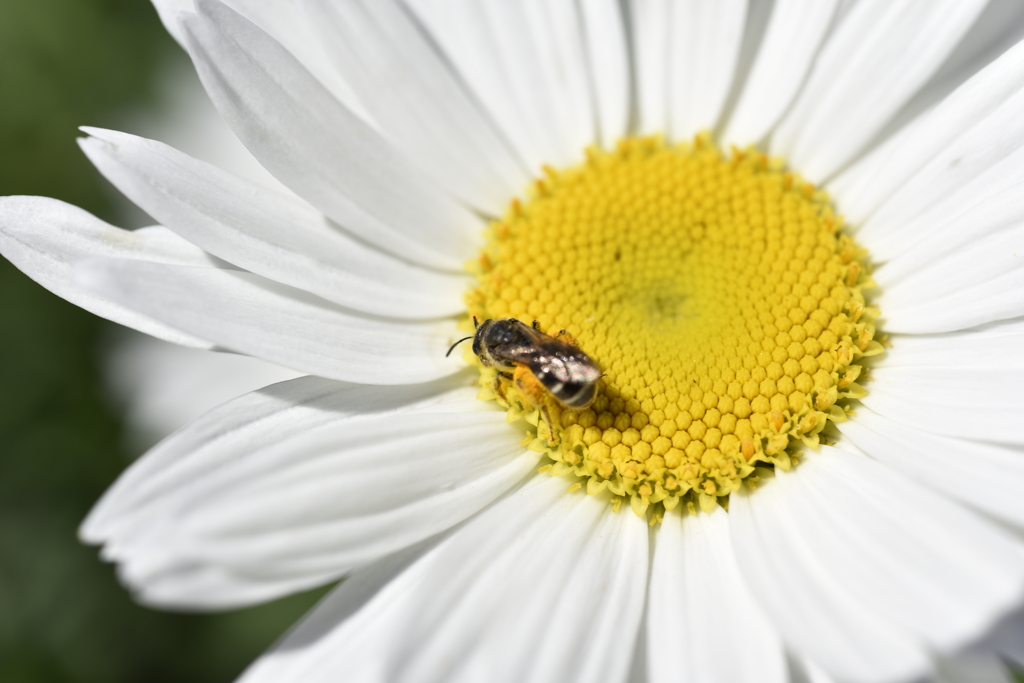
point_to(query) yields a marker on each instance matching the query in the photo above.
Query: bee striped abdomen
(577, 396)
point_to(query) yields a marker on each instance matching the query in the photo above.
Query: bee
(541, 366)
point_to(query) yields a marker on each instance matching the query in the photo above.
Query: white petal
(572, 579)
(460, 29)
(319, 149)
(309, 651)
(304, 404)
(526, 63)
(555, 34)
(608, 56)
(971, 273)
(699, 607)
(992, 346)
(183, 117)
(45, 237)
(984, 207)
(299, 483)
(795, 31)
(543, 586)
(983, 403)
(862, 569)
(650, 22)
(704, 40)
(252, 315)
(267, 232)
(883, 51)
(638, 667)
(278, 19)
(987, 477)
(998, 28)
(168, 10)
(159, 387)
(939, 154)
(542, 44)
(417, 101)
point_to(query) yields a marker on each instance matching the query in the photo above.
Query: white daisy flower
(805, 499)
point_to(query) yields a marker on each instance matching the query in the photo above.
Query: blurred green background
(63, 616)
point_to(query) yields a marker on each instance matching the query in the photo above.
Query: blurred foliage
(63, 616)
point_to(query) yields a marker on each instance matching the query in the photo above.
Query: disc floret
(720, 297)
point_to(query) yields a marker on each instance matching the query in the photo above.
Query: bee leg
(498, 386)
(536, 394)
(552, 441)
(536, 326)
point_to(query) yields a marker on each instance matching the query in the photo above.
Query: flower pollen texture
(716, 292)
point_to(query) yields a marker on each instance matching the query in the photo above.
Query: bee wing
(551, 359)
(568, 364)
(536, 337)
(528, 347)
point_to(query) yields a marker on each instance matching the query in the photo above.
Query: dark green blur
(63, 616)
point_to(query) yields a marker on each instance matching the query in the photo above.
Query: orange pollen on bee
(718, 294)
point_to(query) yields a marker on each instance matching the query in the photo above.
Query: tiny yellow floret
(719, 296)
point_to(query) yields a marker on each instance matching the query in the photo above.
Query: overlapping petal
(875, 61)
(863, 570)
(649, 20)
(699, 607)
(417, 100)
(46, 237)
(268, 232)
(250, 314)
(960, 171)
(280, 20)
(542, 586)
(296, 484)
(932, 280)
(527, 63)
(986, 476)
(940, 153)
(989, 346)
(973, 402)
(608, 60)
(948, 289)
(793, 35)
(942, 208)
(704, 39)
(998, 28)
(317, 147)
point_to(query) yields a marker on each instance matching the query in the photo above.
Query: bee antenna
(456, 344)
(475, 324)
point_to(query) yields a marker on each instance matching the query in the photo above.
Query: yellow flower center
(718, 296)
